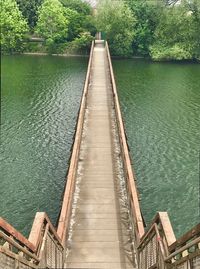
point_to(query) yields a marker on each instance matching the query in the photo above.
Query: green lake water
(40, 102)
(160, 104)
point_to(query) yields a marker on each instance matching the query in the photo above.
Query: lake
(40, 102)
(160, 104)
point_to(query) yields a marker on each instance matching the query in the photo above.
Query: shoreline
(54, 54)
(197, 61)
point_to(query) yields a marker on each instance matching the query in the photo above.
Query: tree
(147, 18)
(52, 22)
(83, 42)
(13, 26)
(29, 10)
(176, 35)
(78, 5)
(78, 23)
(116, 20)
(75, 23)
(194, 7)
(80, 18)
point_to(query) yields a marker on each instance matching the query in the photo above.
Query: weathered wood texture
(43, 249)
(70, 182)
(99, 238)
(130, 180)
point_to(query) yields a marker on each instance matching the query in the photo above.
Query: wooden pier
(100, 233)
(100, 223)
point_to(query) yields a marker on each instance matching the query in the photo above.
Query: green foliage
(121, 45)
(194, 7)
(75, 23)
(82, 42)
(116, 20)
(80, 6)
(175, 52)
(34, 47)
(13, 26)
(52, 22)
(161, 29)
(78, 23)
(29, 10)
(147, 17)
(177, 35)
(83, 21)
(59, 24)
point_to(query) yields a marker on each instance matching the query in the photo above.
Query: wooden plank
(10, 230)
(167, 228)
(187, 246)
(12, 242)
(35, 237)
(131, 180)
(147, 236)
(195, 231)
(36, 231)
(16, 257)
(99, 239)
(69, 188)
(53, 231)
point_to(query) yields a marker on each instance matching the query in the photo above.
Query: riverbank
(148, 58)
(114, 57)
(77, 53)
(54, 54)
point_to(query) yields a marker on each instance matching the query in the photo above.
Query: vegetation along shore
(159, 29)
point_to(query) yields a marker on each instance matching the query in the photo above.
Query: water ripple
(161, 107)
(40, 101)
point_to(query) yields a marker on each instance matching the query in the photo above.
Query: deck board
(99, 238)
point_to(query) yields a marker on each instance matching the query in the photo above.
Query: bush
(177, 35)
(52, 23)
(83, 42)
(116, 20)
(13, 27)
(175, 52)
(147, 18)
(122, 45)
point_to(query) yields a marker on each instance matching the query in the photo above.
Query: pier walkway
(100, 223)
(99, 237)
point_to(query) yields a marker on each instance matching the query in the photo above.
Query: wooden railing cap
(10, 230)
(194, 232)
